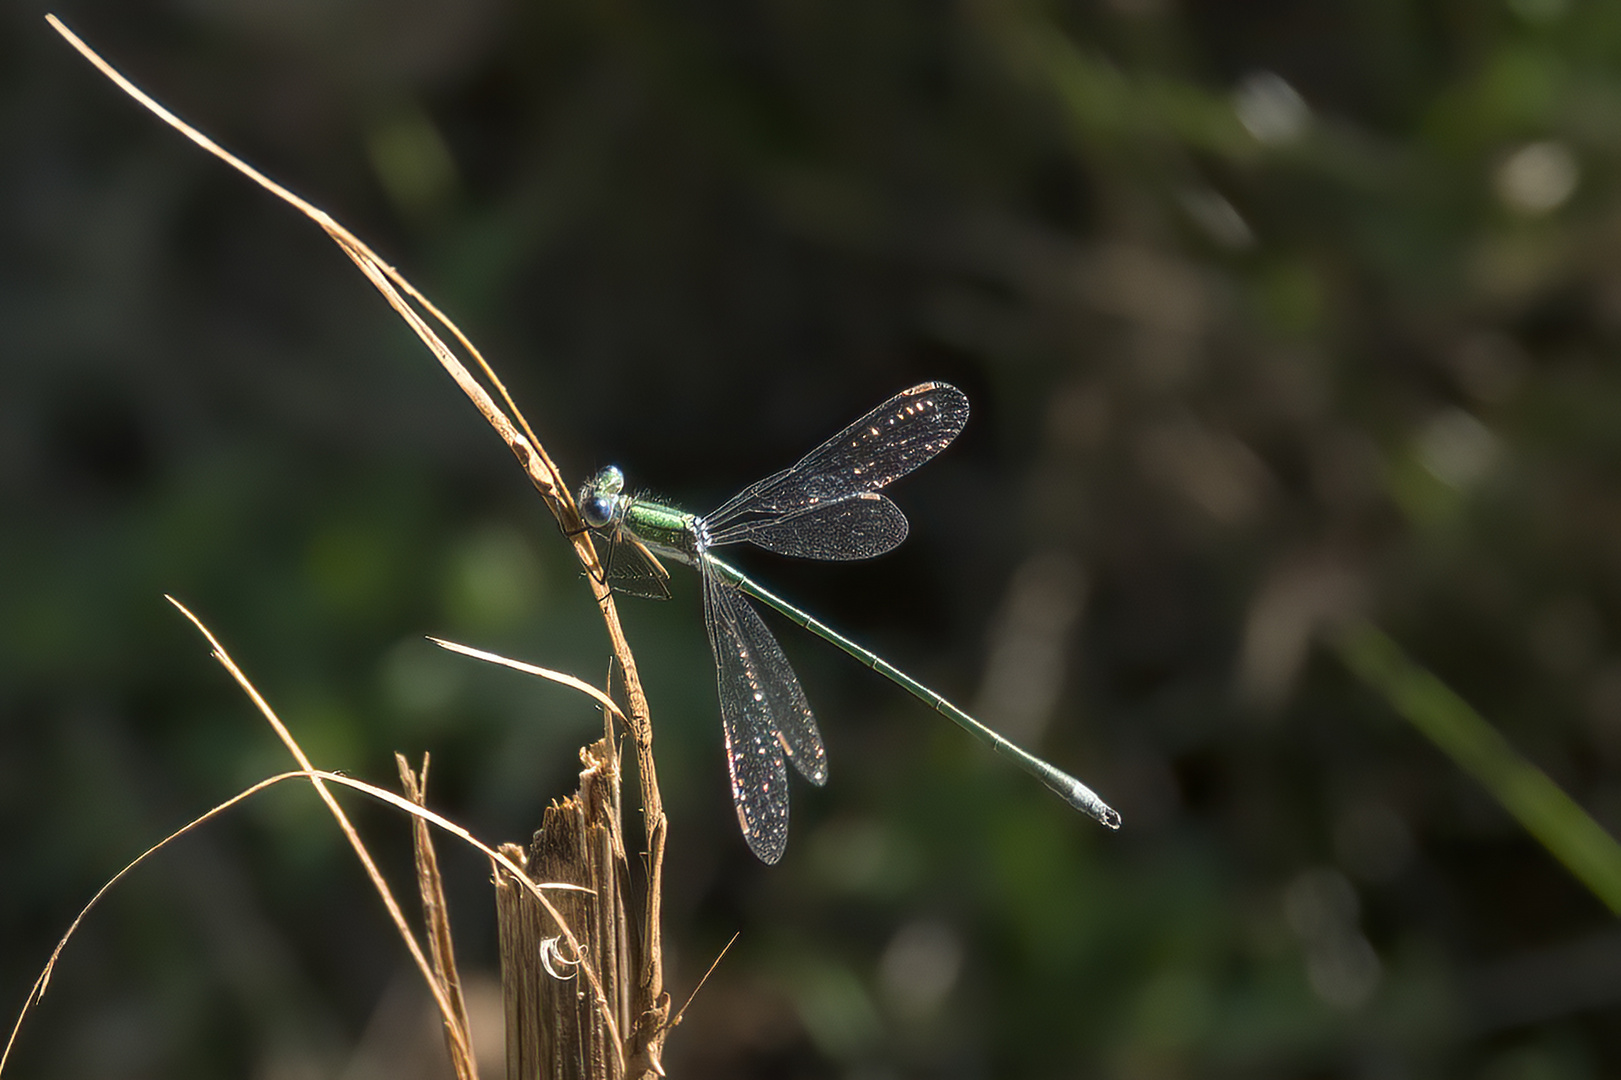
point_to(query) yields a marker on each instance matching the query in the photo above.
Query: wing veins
(859, 526)
(880, 448)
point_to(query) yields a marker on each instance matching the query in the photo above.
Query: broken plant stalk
(634, 984)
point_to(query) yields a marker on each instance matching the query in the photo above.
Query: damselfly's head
(602, 502)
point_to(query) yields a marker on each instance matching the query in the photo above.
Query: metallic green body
(666, 530)
(827, 506)
(676, 534)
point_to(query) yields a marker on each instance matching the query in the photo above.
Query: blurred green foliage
(1272, 314)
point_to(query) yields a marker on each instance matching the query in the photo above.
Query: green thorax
(666, 529)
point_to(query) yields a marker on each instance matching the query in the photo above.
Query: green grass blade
(1525, 791)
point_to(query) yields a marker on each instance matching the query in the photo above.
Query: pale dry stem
(395, 913)
(543, 473)
(560, 677)
(436, 920)
(315, 776)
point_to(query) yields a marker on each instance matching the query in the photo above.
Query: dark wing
(765, 718)
(857, 527)
(881, 447)
(635, 571)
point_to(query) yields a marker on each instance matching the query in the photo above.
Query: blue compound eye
(598, 510)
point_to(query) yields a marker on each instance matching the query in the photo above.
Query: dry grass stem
(436, 917)
(564, 678)
(315, 776)
(395, 913)
(547, 480)
(682, 1011)
(528, 449)
(338, 815)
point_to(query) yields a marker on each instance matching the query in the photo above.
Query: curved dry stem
(40, 984)
(37, 992)
(446, 1008)
(560, 677)
(531, 455)
(394, 912)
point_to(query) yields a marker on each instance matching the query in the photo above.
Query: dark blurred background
(1272, 314)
